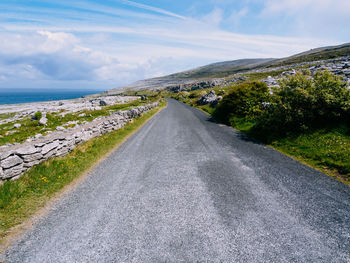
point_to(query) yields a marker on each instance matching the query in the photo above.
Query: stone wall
(14, 161)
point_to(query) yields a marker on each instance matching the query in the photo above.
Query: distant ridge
(227, 68)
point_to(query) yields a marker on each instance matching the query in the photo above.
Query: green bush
(246, 100)
(302, 102)
(37, 115)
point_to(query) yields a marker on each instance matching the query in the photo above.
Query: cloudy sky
(90, 44)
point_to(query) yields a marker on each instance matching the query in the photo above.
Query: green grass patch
(325, 149)
(4, 116)
(207, 108)
(263, 75)
(20, 199)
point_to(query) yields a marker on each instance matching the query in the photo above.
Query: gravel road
(185, 189)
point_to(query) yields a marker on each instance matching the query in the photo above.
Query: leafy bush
(37, 115)
(246, 100)
(302, 102)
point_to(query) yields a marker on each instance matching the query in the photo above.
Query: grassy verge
(327, 150)
(29, 128)
(20, 199)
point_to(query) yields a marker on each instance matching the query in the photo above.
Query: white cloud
(320, 18)
(214, 18)
(117, 49)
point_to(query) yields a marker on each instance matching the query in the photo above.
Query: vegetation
(327, 149)
(302, 103)
(22, 198)
(4, 116)
(30, 127)
(262, 75)
(246, 101)
(37, 115)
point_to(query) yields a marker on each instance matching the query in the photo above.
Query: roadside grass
(207, 108)
(326, 149)
(22, 198)
(30, 128)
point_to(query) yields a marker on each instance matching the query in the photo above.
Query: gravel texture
(185, 189)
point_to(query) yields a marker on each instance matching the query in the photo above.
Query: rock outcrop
(209, 98)
(16, 159)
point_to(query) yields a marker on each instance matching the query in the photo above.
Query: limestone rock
(32, 157)
(13, 171)
(31, 164)
(49, 147)
(209, 98)
(11, 162)
(27, 150)
(17, 125)
(43, 121)
(4, 155)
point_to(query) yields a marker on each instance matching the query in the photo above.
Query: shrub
(244, 101)
(302, 102)
(37, 115)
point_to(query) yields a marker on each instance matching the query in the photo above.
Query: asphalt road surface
(186, 189)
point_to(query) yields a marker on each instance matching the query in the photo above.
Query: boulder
(11, 162)
(17, 125)
(209, 98)
(43, 121)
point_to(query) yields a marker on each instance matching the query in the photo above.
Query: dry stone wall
(14, 161)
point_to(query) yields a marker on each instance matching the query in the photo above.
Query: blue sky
(104, 44)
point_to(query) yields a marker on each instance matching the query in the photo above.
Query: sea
(15, 96)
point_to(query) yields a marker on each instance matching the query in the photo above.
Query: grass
(4, 116)
(262, 75)
(20, 199)
(207, 108)
(326, 149)
(29, 128)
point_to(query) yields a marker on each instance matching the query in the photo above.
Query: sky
(90, 44)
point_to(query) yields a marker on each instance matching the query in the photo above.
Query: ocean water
(23, 96)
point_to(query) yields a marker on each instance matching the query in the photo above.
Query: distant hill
(220, 69)
(322, 53)
(226, 68)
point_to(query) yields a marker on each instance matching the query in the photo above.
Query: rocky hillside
(224, 73)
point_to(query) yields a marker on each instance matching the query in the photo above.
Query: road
(186, 189)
